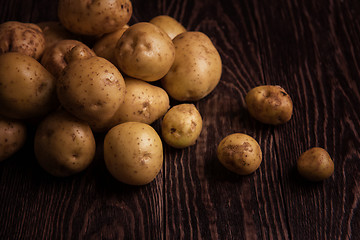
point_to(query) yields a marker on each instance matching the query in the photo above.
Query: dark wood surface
(311, 48)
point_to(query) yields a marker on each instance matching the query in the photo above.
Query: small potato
(181, 126)
(94, 17)
(145, 52)
(25, 38)
(54, 32)
(91, 89)
(143, 102)
(169, 25)
(64, 145)
(315, 164)
(133, 153)
(239, 153)
(196, 70)
(105, 46)
(269, 104)
(27, 89)
(12, 137)
(56, 57)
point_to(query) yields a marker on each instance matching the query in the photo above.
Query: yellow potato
(133, 153)
(54, 32)
(196, 70)
(169, 25)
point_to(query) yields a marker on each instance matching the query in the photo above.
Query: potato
(91, 89)
(56, 57)
(181, 126)
(12, 137)
(54, 32)
(269, 104)
(133, 153)
(196, 70)
(169, 25)
(239, 153)
(105, 46)
(94, 17)
(145, 52)
(27, 89)
(25, 38)
(63, 144)
(315, 164)
(143, 102)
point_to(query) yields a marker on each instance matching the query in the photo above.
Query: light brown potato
(169, 24)
(27, 89)
(143, 102)
(105, 46)
(56, 57)
(269, 104)
(25, 38)
(12, 137)
(133, 153)
(145, 52)
(64, 145)
(239, 153)
(196, 70)
(181, 126)
(91, 89)
(315, 164)
(95, 17)
(54, 32)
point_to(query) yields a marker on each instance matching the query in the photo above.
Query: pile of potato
(50, 77)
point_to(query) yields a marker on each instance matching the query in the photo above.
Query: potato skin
(145, 52)
(169, 24)
(315, 164)
(181, 126)
(269, 104)
(27, 89)
(64, 145)
(12, 137)
(94, 17)
(54, 32)
(239, 153)
(133, 153)
(196, 70)
(25, 38)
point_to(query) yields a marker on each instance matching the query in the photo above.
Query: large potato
(239, 153)
(54, 32)
(27, 89)
(269, 104)
(169, 25)
(12, 137)
(64, 145)
(25, 38)
(94, 17)
(196, 70)
(145, 52)
(143, 102)
(133, 153)
(92, 89)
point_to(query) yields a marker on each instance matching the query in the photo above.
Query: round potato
(181, 126)
(133, 153)
(12, 137)
(54, 32)
(196, 70)
(92, 89)
(27, 89)
(25, 38)
(95, 17)
(143, 102)
(269, 104)
(239, 153)
(64, 145)
(105, 46)
(315, 164)
(56, 57)
(169, 25)
(145, 52)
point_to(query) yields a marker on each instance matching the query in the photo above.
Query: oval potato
(169, 24)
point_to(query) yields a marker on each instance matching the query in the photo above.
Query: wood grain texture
(311, 48)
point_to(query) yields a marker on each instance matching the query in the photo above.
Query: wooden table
(311, 48)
